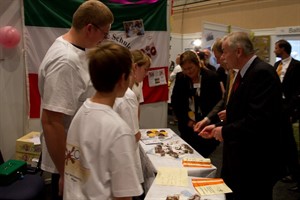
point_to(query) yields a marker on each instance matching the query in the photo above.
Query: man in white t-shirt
(101, 149)
(64, 83)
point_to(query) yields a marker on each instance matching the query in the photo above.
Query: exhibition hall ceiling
(198, 2)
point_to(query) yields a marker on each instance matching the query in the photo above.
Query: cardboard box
(28, 147)
(29, 143)
(27, 157)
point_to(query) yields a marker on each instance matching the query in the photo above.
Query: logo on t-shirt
(75, 169)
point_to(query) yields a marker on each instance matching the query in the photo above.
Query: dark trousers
(291, 153)
(203, 146)
(54, 187)
(141, 197)
(260, 189)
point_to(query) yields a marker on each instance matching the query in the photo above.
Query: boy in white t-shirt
(100, 153)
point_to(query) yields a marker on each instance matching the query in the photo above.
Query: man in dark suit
(218, 111)
(251, 134)
(288, 70)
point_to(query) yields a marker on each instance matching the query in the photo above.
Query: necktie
(231, 78)
(279, 69)
(236, 81)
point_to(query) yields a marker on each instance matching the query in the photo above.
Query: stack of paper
(210, 186)
(172, 176)
(197, 162)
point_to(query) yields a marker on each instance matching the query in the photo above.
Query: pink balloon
(9, 36)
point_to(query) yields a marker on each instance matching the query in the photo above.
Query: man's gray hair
(241, 40)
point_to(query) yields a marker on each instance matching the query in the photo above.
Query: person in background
(204, 56)
(222, 71)
(288, 70)
(196, 92)
(172, 79)
(128, 106)
(64, 83)
(172, 66)
(100, 148)
(219, 109)
(252, 132)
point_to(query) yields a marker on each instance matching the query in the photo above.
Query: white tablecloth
(160, 192)
(151, 161)
(164, 161)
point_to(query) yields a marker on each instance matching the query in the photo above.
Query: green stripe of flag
(153, 15)
(58, 13)
(50, 13)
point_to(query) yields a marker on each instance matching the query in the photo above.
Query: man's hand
(191, 123)
(217, 133)
(207, 132)
(222, 115)
(200, 125)
(212, 131)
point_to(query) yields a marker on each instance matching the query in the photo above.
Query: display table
(168, 161)
(161, 192)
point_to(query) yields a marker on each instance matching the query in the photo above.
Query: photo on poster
(262, 47)
(134, 28)
(157, 77)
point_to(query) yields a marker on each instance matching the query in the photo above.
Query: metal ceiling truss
(182, 4)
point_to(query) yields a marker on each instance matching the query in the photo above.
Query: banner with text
(138, 24)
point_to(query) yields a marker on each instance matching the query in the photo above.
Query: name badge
(196, 85)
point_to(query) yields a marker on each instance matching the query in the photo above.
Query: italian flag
(46, 20)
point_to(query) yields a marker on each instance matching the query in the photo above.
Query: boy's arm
(138, 136)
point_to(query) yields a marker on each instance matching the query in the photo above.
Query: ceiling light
(197, 43)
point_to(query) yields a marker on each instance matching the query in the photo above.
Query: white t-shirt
(172, 79)
(138, 91)
(100, 156)
(127, 107)
(64, 84)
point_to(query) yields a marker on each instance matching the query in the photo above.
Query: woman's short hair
(189, 56)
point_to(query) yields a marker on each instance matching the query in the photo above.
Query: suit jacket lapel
(255, 61)
(289, 69)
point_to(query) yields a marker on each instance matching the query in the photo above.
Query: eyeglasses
(104, 33)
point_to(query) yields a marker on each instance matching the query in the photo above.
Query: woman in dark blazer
(196, 92)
